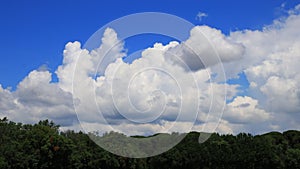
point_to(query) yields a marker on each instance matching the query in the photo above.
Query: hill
(42, 146)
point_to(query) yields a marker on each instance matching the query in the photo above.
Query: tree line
(43, 146)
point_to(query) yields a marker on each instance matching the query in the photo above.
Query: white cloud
(37, 99)
(271, 64)
(201, 15)
(173, 82)
(244, 110)
(150, 87)
(283, 95)
(205, 47)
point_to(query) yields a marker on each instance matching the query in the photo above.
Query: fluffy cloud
(271, 66)
(36, 98)
(245, 110)
(151, 92)
(7, 101)
(173, 87)
(155, 89)
(205, 48)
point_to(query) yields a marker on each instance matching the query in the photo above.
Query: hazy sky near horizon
(257, 42)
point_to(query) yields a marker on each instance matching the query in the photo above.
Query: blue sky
(34, 33)
(257, 41)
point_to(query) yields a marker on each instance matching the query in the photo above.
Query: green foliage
(43, 146)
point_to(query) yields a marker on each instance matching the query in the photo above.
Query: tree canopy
(43, 146)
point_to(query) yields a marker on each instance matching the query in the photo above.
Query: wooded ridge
(43, 146)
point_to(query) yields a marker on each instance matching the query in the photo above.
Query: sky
(35, 33)
(257, 42)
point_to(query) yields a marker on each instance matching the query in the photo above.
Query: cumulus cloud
(158, 87)
(205, 47)
(151, 91)
(271, 66)
(172, 87)
(244, 110)
(7, 101)
(36, 98)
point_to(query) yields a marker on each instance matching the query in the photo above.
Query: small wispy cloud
(201, 15)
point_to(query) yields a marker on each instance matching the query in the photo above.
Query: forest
(44, 146)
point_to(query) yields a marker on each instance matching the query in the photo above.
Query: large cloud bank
(173, 87)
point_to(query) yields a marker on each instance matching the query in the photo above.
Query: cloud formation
(271, 66)
(36, 98)
(205, 47)
(173, 87)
